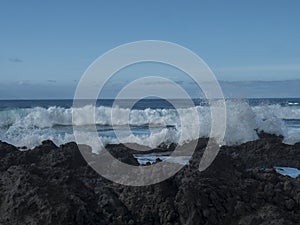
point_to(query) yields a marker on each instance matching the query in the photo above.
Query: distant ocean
(152, 121)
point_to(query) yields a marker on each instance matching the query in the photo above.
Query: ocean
(152, 122)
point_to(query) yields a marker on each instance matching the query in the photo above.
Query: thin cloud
(15, 60)
(262, 68)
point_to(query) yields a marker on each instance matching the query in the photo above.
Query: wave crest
(27, 127)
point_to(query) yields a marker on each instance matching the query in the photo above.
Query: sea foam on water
(151, 126)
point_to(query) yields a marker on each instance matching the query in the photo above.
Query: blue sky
(49, 44)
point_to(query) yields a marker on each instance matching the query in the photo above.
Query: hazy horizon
(47, 46)
(231, 89)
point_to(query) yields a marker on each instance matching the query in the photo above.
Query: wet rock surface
(55, 185)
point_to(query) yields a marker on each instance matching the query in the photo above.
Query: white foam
(241, 123)
(33, 138)
(28, 127)
(277, 111)
(292, 136)
(270, 119)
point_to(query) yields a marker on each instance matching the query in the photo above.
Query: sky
(46, 46)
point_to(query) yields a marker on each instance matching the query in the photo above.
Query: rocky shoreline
(54, 185)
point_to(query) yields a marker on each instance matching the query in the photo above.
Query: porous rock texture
(54, 185)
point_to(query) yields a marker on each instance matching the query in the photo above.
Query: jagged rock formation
(54, 185)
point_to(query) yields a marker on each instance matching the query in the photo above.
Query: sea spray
(148, 126)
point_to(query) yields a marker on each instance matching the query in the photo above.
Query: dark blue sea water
(141, 104)
(151, 122)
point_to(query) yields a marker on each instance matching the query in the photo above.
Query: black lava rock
(55, 185)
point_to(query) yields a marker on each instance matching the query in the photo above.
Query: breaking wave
(151, 127)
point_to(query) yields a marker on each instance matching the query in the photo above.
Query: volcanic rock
(55, 185)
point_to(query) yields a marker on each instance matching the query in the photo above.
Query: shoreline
(55, 185)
